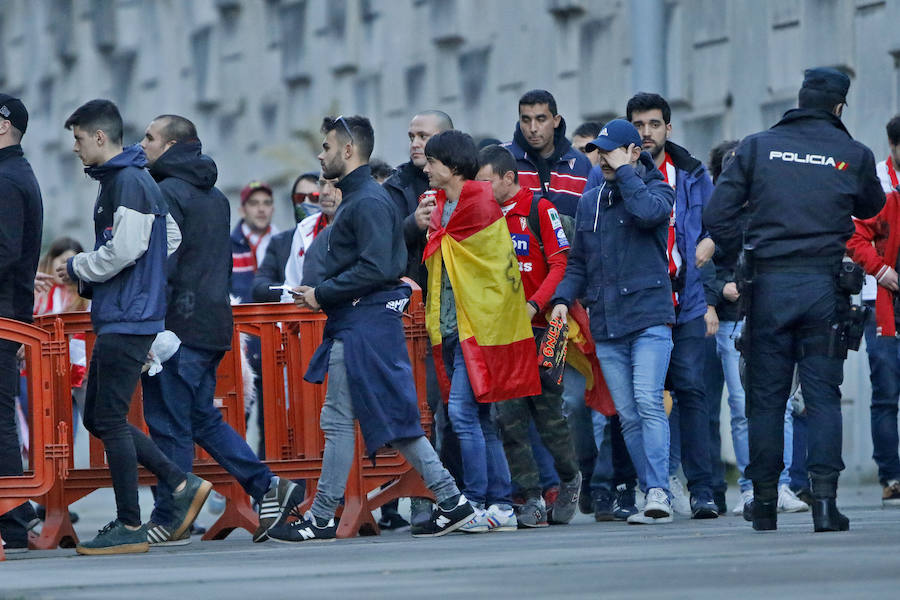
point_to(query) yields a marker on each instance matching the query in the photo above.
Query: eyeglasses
(301, 197)
(340, 119)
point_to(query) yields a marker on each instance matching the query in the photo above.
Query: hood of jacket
(131, 156)
(186, 161)
(561, 144)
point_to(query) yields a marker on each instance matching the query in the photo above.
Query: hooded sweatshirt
(199, 276)
(560, 178)
(126, 272)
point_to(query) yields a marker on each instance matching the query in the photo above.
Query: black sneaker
(443, 521)
(585, 501)
(188, 502)
(115, 538)
(703, 507)
(719, 499)
(282, 496)
(306, 529)
(623, 503)
(391, 520)
(159, 535)
(420, 510)
(603, 506)
(17, 546)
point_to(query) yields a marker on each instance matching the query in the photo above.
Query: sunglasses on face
(300, 197)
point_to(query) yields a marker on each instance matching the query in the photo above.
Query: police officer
(788, 197)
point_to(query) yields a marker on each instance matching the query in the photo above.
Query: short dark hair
(456, 150)
(356, 130)
(176, 128)
(533, 97)
(809, 98)
(380, 169)
(716, 155)
(644, 101)
(499, 159)
(98, 115)
(445, 123)
(893, 130)
(588, 129)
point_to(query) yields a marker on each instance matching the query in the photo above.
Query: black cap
(828, 80)
(14, 111)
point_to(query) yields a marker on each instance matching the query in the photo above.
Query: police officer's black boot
(826, 516)
(765, 507)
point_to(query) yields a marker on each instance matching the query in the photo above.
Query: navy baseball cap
(14, 111)
(615, 134)
(828, 80)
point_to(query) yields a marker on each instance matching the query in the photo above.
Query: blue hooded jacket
(126, 272)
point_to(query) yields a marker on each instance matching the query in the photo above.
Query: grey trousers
(336, 421)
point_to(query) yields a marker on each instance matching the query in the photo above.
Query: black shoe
(197, 529)
(392, 520)
(281, 497)
(827, 517)
(307, 529)
(721, 506)
(585, 502)
(115, 538)
(765, 515)
(420, 510)
(703, 507)
(443, 521)
(18, 545)
(603, 506)
(623, 503)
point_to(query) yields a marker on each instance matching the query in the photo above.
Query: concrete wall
(258, 75)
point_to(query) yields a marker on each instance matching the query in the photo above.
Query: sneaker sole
(504, 528)
(194, 510)
(892, 503)
(655, 521)
(657, 513)
(183, 542)
(309, 541)
(522, 525)
(120, 549)
(705, 513)
(604, 517)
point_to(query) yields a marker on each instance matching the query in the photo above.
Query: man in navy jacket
(617, 265)
(126, 276)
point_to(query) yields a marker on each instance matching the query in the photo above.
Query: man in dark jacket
(800, 182)
(547, 163)
(618, 266)
(688, 249)
(126, 276)
(178, 402)
(20, 248)
(364, 299)
(406, 187)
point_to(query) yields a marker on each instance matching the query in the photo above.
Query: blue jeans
(485, 472)
(593, 447)
(685, 376)
(884, 364)
(635, 370)
(179, 410)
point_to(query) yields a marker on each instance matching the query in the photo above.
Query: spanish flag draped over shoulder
(581, 355)
(494, 330)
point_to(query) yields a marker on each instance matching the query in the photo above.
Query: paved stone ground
(722, 558)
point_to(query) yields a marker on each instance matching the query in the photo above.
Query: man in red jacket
(875, 246)
(542, 264)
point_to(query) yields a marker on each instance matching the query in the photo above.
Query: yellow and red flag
(494, 329)
(581, 355)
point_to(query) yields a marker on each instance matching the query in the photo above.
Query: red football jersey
(541, 271)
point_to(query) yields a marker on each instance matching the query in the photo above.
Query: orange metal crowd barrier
(49, 449)
(294, 444)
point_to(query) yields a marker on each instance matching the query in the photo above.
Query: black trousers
(12, 524)
(113, 374)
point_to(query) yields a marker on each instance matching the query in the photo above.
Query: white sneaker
(746, 496)
(788, 500)
(658, 505)
(502, 518)
(478, 523)
(681, 503)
